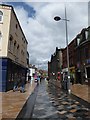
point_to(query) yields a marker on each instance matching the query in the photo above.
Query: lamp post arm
(65, 19)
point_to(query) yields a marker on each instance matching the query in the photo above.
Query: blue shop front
(9, 68)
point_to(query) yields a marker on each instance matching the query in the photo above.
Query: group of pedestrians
(37, 78)
(19, 81)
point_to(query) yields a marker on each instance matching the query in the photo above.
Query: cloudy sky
(42, 32)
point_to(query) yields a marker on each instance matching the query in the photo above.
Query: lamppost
(57, 18)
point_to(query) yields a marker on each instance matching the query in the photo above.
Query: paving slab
(12, 102)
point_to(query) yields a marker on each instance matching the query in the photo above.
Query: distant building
(13, 47)
(55, 64)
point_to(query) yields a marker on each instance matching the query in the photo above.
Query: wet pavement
(53, 103)
(81, 91)
(11, 103)
(44, 101)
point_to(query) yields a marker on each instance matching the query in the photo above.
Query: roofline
(6, 5)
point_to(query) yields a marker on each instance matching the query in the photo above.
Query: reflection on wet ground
(52, 102)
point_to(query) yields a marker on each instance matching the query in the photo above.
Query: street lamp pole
(69, 90)
(57, 18)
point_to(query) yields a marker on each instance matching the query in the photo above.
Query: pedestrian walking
(22, 89)
(15, 87)
(72, 79)
(38, 80)
(35, 77)
(65, 81)
(29, 78)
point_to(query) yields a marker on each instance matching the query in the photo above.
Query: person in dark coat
(72, 79)
(15, 87)
(22, 83)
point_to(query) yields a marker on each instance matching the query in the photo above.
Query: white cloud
(43, 33)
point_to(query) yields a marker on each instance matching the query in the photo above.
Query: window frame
(10, 46)
(0, 36)
(86, 34)
(1, 16)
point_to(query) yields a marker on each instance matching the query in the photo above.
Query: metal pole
(68, 83)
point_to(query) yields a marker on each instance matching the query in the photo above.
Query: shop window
(88, 72)
(1, 16)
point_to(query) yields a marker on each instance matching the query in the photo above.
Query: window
(88, 72)
(14, 48)
(86, 35)
(0, 40)
(10, 43)
(1, 16)
(16, 26)
(0, 36)
(78, 41)
(18, 51)
(86, 53)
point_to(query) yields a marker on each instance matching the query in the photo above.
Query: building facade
(79, 59)
(83, 56)
(13, 47)
(55, 64)
(72, 59)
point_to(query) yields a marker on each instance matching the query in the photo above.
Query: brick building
(79, 57)
(55, 64)
(83, 56)
(72, 59)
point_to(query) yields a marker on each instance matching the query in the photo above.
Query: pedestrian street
(53, 103)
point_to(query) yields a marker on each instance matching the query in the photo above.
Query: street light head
(57, 18)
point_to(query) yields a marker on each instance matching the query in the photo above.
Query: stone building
(13, 47)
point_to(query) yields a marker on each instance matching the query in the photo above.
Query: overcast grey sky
(43, 33)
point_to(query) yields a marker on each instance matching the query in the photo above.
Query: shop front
(72, 73)
(9, 68)
(87, 72)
